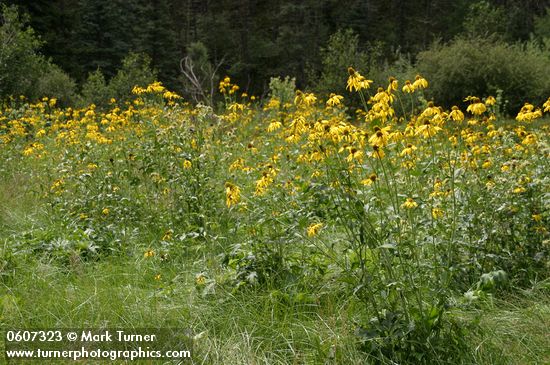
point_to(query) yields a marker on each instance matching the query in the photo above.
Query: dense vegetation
(354, 222)
(252, 41)
(380, 234)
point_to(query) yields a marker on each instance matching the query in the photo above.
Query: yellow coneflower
(409, 204)
(476, 107)
(519, 190)
(380, 136)
(427, 129)
(420, 82)
(437, 213)
(238, 164)
(408, 87)
(273, 126)
(377, 152)
(314, 229)
(537, 217)
(490, 101)
(393, 85)
(370, 180)
(334, 100)
(232, 194)
(456, 114)
(167, 235)
(187, 164)
(356, 81)
(408, 151)
(530, 139)
(149, 253)
(354, 154)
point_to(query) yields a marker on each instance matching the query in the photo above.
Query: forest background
(76, 49)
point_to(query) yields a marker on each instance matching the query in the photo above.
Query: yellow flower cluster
(226, 87)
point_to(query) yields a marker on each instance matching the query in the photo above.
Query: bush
(282, 89)
(482, 67)
(23, 71)
(343, 51)
(19, 62)
(95, 89)
(135, 70)
(56, 84)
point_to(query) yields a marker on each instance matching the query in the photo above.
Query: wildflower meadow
(372, 227)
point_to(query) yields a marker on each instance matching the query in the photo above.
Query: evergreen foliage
(253, 41)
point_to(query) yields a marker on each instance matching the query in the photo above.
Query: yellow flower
(377, 152)
(490, 101)
(437, 213)
(306, 99)
(408, 151)
(267, 179)
(393, 85)
(409, 204)
(314, 229)
(430, 111)
(28, 151)
(200, 279)
(530, 139)
(238, 164)
(519, 190)
(105, 211)
(167, 235)
(476, 107)
(537, 217)
(232, 194)
(420, 82)
(427, 130)
(356, 81)
(408, 88)
(456, 114)
(370, 180)
(273, 126)
(149, 253)
(380, 136)
(334, 100)
(354, 154)
(157, 277)
(187, 164)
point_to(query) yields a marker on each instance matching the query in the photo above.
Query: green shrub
(56, 84)
(135, 70)
(282, 89)
(95, 89)
(343, 51)
(19, 62)
(23, 70)
(482, 67)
